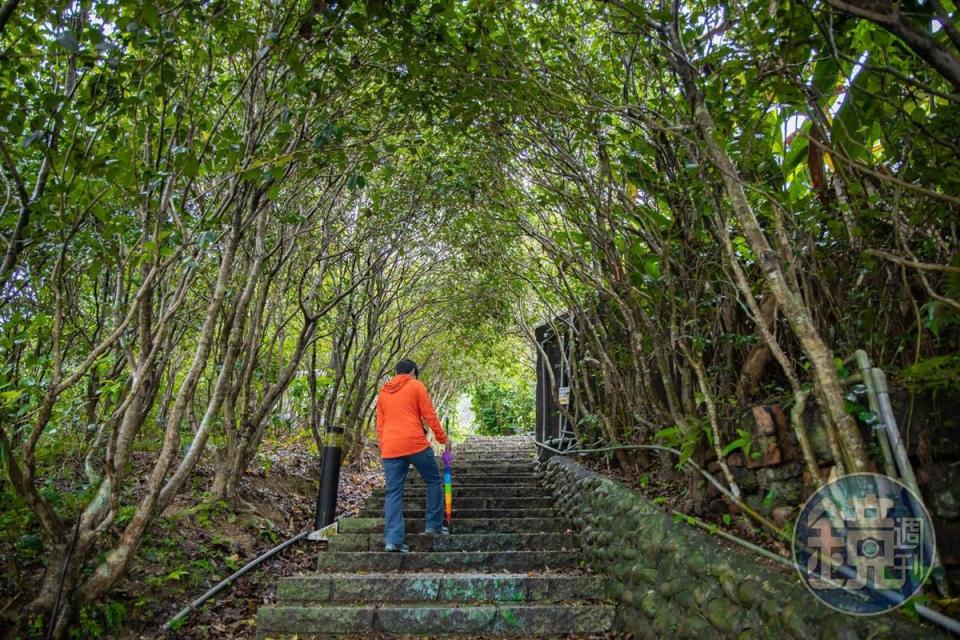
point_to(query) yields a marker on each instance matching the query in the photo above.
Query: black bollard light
(329, 476)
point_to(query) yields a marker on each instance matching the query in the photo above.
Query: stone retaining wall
(673, 580)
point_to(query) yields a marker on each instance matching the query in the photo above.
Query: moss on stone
(694, 627)
(750, 592)
(650, 603)
(770, 610)
(673, 573)
(794, 622)
(723, 614)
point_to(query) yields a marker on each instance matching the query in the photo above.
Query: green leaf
(651, 264)
(149, 14)
(825, 74)
(736, 444)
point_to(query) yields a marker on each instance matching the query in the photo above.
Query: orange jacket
(402, 404)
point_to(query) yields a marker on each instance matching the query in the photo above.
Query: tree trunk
(789, 301)
(759, 356)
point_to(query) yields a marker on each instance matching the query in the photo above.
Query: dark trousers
(395, 470)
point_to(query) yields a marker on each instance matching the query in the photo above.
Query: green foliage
(935, 373)
(853, 404)
(99, 620)
(768, 499)
(175, 575)
(445, 176)
(743, 442)
(209, 511)
(268, 533)
(502, 408)
(685, 439)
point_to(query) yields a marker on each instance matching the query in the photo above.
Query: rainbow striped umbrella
(448, 485)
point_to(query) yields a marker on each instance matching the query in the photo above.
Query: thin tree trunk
(759, 356)
(793, 308)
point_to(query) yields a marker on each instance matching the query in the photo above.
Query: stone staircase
(509, 567)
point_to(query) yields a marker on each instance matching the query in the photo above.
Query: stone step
(475, 491)
(491, 455)
(525, 480)
(459, 513)
(528, 454)
(464, 480)
(522, 456)
(486, 446)
(491, 451)
(483, 472)
(472, 476)
(491, 462)
(517, 466)
(509, 620)
(492, 469)
(439, 587)
(487, 451)
(463, 525)
(460, 542)
(488, 502)
(508, 568)
(381, 561)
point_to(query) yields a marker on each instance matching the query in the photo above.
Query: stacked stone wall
(674, 580)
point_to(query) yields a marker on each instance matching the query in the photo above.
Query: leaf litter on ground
(282, 490)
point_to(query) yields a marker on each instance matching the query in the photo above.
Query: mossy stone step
(381, 561)
(497, 469)
(473, 479)
(459, 542)
(516, 620)
(526, 480)
(473, 491)
(487, 457)
(464, 525)
(530, 480)
(487, 502)
(458, 513)
(439, 587)
(504, 571)
(517, 464)
(487, 452)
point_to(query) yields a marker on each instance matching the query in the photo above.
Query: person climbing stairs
(508, 568)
